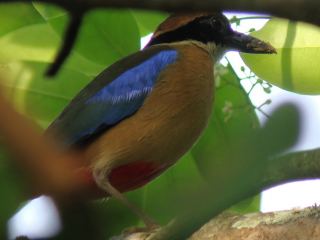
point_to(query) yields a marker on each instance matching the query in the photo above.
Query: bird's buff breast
(164, 129)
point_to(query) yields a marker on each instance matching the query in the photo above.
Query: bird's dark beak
(248, 44)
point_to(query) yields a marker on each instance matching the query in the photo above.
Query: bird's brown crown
(202, 26)
(177, 20)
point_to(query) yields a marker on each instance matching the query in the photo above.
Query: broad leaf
(104, 36)
(148, 21)
(295, 67)
(233, 116)
(17, 15)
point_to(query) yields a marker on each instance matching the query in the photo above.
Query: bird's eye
(216, 24)
(213, 23)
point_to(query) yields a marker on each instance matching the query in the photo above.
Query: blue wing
(105, 102)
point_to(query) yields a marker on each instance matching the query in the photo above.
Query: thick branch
(294, 224)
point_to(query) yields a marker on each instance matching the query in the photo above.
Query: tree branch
(303, 10)
(285, 225)
(68, 43)
(293, 166)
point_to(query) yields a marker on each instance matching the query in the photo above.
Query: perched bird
(141, 114)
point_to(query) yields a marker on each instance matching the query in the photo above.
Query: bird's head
(209, 29)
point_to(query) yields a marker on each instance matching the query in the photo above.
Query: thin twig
(68, 43)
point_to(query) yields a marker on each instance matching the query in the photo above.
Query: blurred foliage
(233, 116)
(12, 191)
(29, 40)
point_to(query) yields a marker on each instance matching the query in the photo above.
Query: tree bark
(284, 225)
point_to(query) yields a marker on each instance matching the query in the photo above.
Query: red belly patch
(124, 178)
(134, 175)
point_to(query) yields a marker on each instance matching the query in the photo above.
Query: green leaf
(14, 16)
(49, 12)
(171, 184)
(148, 21)
(25, 52)
(36, 42)
(116, 216)
(247, 206)
(233, 117)
(38, 97)
(295, 67)
(105, 35)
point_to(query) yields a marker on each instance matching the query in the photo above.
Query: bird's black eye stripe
(212, 22)
(206, 20)
(217, 24)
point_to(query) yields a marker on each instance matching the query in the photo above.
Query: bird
(140, 115)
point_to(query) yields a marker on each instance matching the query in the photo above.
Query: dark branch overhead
(304, 10)
(68, 43)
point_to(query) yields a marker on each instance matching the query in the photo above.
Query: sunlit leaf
(33, 43)
(38, 97)
(295, 67)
